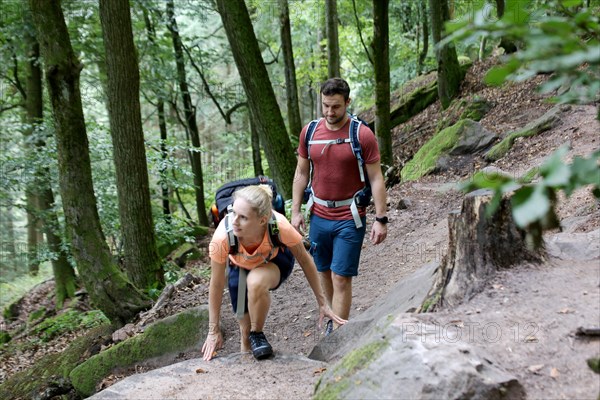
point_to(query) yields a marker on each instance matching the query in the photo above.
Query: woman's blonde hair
(259, 197)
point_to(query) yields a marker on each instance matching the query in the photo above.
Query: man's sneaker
(328, 328)
(260, 346)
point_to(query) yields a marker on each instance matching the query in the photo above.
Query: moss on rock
(338, 383)
(425, 159)
(68, 321)
(29, 383)
(184, 253)
(533, 128)
(169, 336)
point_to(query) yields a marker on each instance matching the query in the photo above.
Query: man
(336, 235)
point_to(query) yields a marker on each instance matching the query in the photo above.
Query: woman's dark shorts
(284, 261)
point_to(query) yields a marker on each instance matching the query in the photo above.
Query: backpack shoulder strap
(232, 240)
(354, 136)
(310, 131)
(274, 233)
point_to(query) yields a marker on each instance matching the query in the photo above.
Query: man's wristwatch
(382, 220)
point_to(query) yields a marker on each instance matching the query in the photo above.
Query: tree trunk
(162, 125)
(33, 106)
(381, 66)
(64, 274)
(31, 205)
(449, 72)
(478, 245)
(293, 107)
(108, 288)
(142, 263)
(164, 154)
(507, 44)
(333, 45)
(190, 115)
(255, 140)
(7, 244)
(425, 32)
(262, 103)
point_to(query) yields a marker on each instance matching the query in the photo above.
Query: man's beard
(335, 121)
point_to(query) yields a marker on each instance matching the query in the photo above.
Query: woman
(267, 266)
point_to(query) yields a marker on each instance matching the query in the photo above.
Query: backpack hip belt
(335, 204)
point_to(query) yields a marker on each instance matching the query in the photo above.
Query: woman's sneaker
(260, 346)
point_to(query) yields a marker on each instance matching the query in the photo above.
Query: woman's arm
(214, 339)
(310, 271)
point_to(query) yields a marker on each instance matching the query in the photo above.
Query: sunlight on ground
(13, 290)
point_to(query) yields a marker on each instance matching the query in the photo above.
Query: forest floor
(417, 235)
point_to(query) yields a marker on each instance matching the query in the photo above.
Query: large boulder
(464, 137)
(406, 296)
(408, 358)
(164, 338)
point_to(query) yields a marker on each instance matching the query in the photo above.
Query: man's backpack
(362, 198)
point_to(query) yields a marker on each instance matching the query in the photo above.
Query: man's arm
(379, 230)
(301, 178)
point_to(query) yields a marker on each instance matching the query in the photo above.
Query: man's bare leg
(342, 295)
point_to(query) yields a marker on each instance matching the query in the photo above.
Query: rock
(165, 338)
(464, 137)
(186, 252)
(406, 295)
(411, 358)
(474, 138)
(403, 204)
(124, 333)
(443, 164)
(543, 123)
(575, 246)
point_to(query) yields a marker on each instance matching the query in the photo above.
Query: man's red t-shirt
(335, 168)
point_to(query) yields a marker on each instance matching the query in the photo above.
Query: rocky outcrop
(464, 137)
(164, 338)
(542, 124)
(410, 358)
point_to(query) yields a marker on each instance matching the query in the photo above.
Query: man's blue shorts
(336, 245)
(284, 260)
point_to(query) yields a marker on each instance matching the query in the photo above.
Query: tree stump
(478, 245)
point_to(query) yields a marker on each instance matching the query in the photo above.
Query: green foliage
(4, 337)
(533, 205)
(37, 314)
(68, 321)
(560, 37)
(594, 364)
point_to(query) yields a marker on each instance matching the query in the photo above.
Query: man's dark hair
(335, 86)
